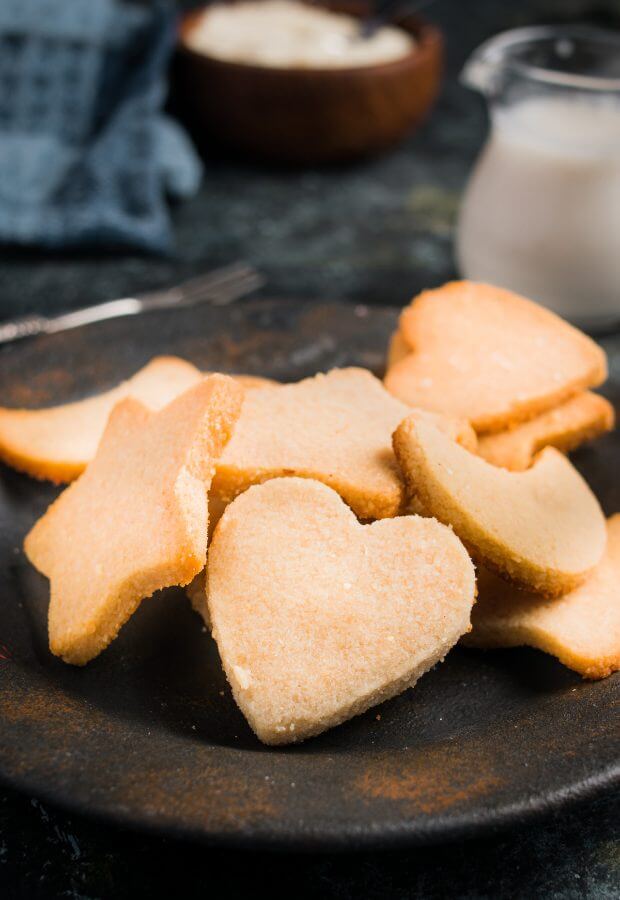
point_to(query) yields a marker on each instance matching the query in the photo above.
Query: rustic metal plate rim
(442, 829)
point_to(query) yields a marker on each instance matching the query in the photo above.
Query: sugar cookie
(196, 590)
(136, 520)
(317, 617)
(251, 382)
(490, 356)
(542, 528)
(58, 443)
(581, 628)
(336, 428)
(398, 348)
(579, 419)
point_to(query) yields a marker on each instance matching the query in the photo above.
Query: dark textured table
(375, 232)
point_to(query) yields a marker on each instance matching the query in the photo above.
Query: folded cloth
(86, 154)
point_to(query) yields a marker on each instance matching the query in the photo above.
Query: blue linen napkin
(86, 154)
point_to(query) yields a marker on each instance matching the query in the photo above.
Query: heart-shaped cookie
(581, 418)
(542, 528)
(490, 356)
(336, 428)
(317, 617)
(582, 628)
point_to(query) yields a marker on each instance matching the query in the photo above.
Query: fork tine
(225, 291)
(238, 289)
(239, 277)
(215, 279)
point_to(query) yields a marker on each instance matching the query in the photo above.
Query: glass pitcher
(541, 212)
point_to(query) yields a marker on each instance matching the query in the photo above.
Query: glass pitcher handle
(483, 71)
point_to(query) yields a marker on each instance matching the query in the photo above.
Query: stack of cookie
(521, 376)
(344, 515)
(515, 371)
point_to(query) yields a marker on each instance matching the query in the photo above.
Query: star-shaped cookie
(57, 443)
(136, 521)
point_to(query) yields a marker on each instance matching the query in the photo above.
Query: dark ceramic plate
(148, 734)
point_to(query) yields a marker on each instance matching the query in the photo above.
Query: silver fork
(219, 287)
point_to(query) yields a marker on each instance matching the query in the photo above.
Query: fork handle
(28, 326)
(31, 326)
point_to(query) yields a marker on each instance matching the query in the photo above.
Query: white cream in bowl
(291, 34)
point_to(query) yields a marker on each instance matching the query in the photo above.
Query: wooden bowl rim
(429, 41)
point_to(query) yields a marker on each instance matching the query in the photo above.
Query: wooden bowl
(296, 115)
